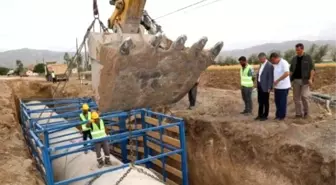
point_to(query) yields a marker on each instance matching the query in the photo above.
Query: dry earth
(224, 148)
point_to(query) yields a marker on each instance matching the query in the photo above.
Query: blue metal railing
(43, 149)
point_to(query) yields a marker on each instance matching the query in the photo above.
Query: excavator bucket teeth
(132, 71)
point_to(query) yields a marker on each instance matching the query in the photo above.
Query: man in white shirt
(281, 86)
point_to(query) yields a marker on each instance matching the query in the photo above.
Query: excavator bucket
(133, 71)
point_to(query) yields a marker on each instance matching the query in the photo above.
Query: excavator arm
(127, 15)
(131, 69)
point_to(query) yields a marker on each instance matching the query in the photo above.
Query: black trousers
(86, 134)
(54, 80)
(263, 100)
(192, 95)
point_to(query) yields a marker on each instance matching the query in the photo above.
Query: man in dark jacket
(192, 94)
(302, 70)
(265, 84)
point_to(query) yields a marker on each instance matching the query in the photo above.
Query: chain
(95, 9)
(124, 176)
(131, 150)
(132, 166)
(140, 170)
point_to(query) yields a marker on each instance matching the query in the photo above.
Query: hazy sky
(55, 24)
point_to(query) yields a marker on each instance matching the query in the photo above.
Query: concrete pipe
(79, 164)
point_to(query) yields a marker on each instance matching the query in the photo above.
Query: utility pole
(86, 64)
(78, 59)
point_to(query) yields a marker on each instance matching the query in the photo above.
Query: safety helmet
(85, 106)
(94, 115)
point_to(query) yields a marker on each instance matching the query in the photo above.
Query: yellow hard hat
(85, 106)
(94, 115)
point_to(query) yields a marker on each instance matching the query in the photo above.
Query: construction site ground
(224, 147)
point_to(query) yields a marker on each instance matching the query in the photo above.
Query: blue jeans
(280, 97)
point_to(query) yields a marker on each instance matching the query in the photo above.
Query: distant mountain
(32, 56)
(283, 46)
(29, 56)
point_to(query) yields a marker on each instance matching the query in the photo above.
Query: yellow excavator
(133, 69)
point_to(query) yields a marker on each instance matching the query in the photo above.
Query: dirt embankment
(227, 148)
(229, 78)
(16, 164)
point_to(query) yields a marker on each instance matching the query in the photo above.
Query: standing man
(281, 85)
(85, 116)
(302, 70)
(53, 76)
(98, 131)
(265, 85)
(246, 83)
(192, 95)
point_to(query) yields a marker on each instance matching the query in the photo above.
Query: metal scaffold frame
(39, 140)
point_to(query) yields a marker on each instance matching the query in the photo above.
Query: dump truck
(59, 70)
(131, 69)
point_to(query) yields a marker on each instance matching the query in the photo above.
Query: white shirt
(279, 70)
(261, 70)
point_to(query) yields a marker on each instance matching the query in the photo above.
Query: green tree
(230, 61)
(67, 58)
(253, 59)
(289, 54)
(311, 51)
(333, 54)
(39, 68)
(320, 52)
(19, 67)
(4, 70)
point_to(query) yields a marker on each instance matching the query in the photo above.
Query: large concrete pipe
(79, 164)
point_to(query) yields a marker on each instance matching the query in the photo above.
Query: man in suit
(265, 85)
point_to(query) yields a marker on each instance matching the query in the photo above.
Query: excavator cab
(131, 69)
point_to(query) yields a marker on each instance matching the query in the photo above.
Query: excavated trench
(232, 153)
(220, 151)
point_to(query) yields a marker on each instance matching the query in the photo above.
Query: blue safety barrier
(41, 142)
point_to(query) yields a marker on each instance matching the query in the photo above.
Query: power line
(209, 3)
(180, 9)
